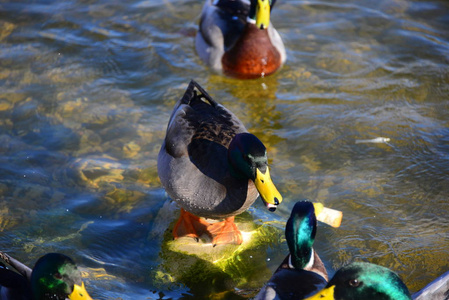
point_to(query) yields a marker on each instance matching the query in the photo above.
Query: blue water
(87, 87)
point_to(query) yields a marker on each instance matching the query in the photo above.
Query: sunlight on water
(86, 90)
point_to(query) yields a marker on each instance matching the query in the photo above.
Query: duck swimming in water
(55, 276)
(237, 38)
(302, 273)
(364, 281)
(212, 167)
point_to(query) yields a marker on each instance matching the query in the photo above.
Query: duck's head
(56, 276)
(247, 158)
(300, 233)
(259, 12)
(365, 281)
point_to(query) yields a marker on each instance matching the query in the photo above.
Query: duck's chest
(211, 196)
(252, 56)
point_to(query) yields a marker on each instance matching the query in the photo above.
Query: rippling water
(86, 89)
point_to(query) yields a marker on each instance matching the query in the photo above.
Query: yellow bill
(325, 294)
(267, 190)
(79, 293)
(328, 216)
(263, 14)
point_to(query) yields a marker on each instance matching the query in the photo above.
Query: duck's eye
(57, 275)
(354, 282)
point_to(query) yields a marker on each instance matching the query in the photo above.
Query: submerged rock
(95, 171)
(208, 270)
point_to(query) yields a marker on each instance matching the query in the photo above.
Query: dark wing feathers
(11, 279)
(20, 267)
(179, 133)
(12, 284)
(198, 116)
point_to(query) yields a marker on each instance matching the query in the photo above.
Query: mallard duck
(237, 38)
(302, 273)
(212, 167)
(364, 281)
(55, 276)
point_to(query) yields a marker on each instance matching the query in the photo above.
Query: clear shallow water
(86, 89)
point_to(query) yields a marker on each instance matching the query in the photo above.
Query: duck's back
(13, 286)
(220, 26)
(197, 117)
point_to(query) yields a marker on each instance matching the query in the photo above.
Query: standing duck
(302, 273)
(212, 167)
(237, 38)
(55, 276)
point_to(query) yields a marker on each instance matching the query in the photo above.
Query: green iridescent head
(300, 233)
(247, 158)
(364, 281)
(56, 276)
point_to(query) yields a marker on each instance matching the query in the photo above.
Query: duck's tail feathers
(191, 94)
(20, 267)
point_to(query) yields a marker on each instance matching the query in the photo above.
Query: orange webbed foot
(225, 232)
(189, 225)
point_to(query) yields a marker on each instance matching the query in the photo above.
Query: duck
(236, 37)
(367, 281)
(213, 168)
(362, 280)
(54, 276)
(302, 273)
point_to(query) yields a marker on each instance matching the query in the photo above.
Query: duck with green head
(302, 273)
(237, 38)
(366, 281)
(212, 167)
(55, 276)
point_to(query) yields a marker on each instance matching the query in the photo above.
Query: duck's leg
(225, 232)
(189, 225)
